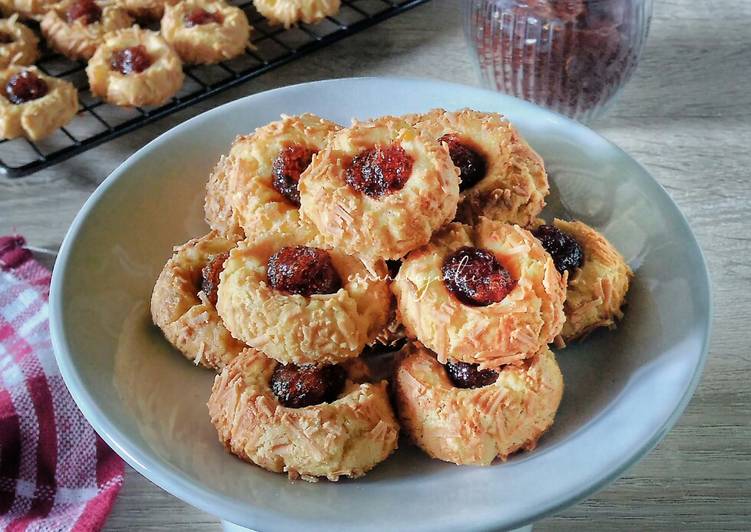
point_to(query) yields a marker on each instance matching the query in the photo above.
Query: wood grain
(686, 116)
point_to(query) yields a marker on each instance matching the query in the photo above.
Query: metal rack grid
(98, 122)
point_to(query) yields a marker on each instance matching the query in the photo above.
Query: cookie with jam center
(488, 414)
(379, 188)
(287, 293)
(502, 177)
(33, 104)
(487, 294)
(266, 415)
(183, 302)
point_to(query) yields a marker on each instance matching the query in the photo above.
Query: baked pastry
(488, 294)
(184, 299)
(502, 178)
(205, 31)
(286, 294)
(463, 415)
(148, 10)
(290, 12)
(18, 44)
(217, 207)
(380, 188)
(308, 422)
(134, 67)
(34, 104)
(263, 172)
(76, 27)
(27, 9)
(598, 276)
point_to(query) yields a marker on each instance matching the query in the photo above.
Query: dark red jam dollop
(6, 38)
(210, 276)
(299, 386)
(465, 375)
(286, 169)
(200, 16)
(567, 253)
(303, 270)
(476, 277)
(85, 10)
(24, 87)
(129, 60)
(471, 164)
(380, 170)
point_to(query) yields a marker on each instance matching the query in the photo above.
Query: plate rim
(173, 480)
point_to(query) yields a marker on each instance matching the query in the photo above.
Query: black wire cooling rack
(98, 122)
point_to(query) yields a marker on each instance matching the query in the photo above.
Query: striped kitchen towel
(55, 472)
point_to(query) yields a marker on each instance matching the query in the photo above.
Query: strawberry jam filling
(567, 253)
(300, 386)
(86, 11)
(476, 277)
(210, 276)
(465, 375)
(470, 162)
(25, 86)
(303, 270)
(380, 170)
(199, 17)
(286, 169)
(133, 59)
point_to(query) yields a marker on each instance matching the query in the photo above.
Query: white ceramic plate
(624, 389)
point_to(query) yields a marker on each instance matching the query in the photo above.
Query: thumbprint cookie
(183, 304)
(285, 293)
(487, 294)
(18, 44)
(134, 67)
(27, 9)
(205, 31)
(217, 207)
(598, 276)
(264, 170)
(290, 12)
(76, 27)
(459, 413)
(380, 188)
(502, 178)
(307, 421)
(34, 105)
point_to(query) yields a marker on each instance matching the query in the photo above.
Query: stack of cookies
(327, 240)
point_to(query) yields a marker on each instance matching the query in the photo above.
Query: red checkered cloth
(55, 472)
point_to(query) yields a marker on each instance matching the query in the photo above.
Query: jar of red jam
(571, 56)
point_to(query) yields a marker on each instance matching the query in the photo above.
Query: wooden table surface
(685, 115)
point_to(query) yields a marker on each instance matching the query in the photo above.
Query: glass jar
(571, 56)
